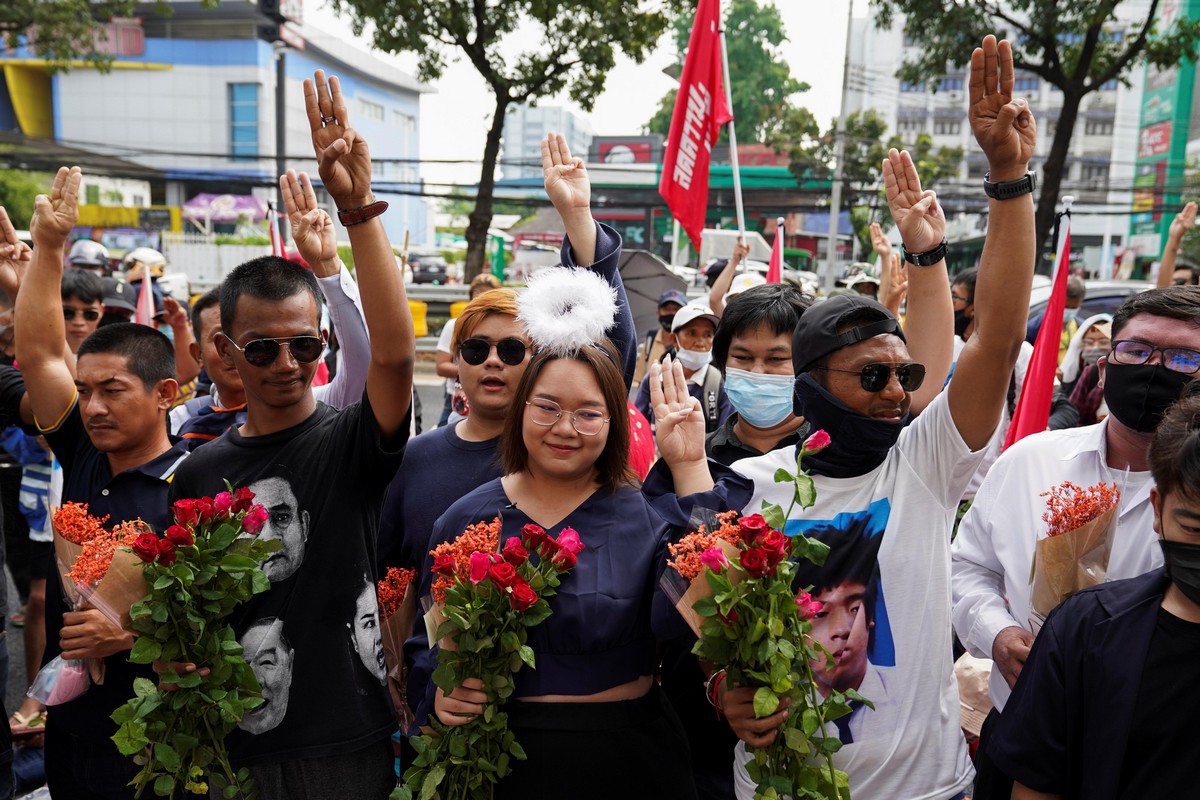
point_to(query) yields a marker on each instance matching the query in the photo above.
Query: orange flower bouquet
(397, 610)
(96, 572)
(1074, 555)
(717, 537)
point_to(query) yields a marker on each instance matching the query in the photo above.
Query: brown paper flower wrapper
(1062, 565)
(700, 588)
(396, 629)
(434, 618)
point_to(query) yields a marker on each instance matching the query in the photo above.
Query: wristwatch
(355, 216)
(926, 259)
(1007, 190)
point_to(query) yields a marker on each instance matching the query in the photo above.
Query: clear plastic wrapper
(1064, 564)
(61, 681)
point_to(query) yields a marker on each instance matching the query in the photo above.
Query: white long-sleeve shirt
(993, 553)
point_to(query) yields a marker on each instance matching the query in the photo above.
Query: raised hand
(1183, 222)
(343, 159)
(54, 215)
(880, 243)
(312, 227)
(1004, 127)
(678, 418)
(174, 314)
(917, 213)
(567, 181)
(15, 256)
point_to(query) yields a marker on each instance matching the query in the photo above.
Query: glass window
(243, 120)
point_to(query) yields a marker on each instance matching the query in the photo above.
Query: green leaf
(783, 476)
(774, 515)
(766, 702)
(527, 656)
(143, 687)
(164, 785)
(809, 721)
(130, 738)
(166, 755)
(145, 651)
(806, 491)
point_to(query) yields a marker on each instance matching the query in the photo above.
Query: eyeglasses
(585, 421)
(958, 298)
(476, 351)
(874, 377)
(263, 352)
(89, 314)
(1176, 359)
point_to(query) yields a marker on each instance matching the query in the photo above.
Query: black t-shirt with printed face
(313, 639)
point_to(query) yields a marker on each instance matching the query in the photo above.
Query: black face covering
(1138, 395)
(859, 443)
(1181, 561)
(961, 322)
(665, 322)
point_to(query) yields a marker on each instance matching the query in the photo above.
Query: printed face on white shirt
(842, 628)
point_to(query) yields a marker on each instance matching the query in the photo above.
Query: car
(429, 268)
(1102, 297)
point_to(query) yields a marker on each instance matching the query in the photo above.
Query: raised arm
(315, 238)
(41, 337)
(186, 365)
(929, 324)
(1182, 223)
(1006, 133)
(720, 288)
(345, 166)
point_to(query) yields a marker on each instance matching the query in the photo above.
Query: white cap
(691, 312)
(744, 281)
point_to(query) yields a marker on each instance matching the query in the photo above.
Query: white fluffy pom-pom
(564, 309)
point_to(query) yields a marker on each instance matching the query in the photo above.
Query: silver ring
(326, 120)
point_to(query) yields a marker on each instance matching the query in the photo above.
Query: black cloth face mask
(1181, 561)
(859, 443)
(961, 322)
(1138, 395)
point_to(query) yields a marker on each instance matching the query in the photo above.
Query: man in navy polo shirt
(107, 426)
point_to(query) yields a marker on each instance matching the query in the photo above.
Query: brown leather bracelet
(354, 216)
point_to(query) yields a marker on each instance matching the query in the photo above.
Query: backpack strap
(712, 388)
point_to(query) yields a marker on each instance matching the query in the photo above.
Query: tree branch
(1133, 50)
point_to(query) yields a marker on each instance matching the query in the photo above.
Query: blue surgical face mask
(762, 400)
(693, 359)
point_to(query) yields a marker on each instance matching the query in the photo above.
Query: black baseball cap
(816, 334)
(119, 295)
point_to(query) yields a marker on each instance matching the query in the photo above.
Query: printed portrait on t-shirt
(365, 635)
(853, 622)
(285, 522)
(270, 656)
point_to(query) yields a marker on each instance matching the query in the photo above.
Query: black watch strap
(926, 259)
(1006, 190)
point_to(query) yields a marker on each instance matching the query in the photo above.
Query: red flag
(273, 231)
(700, 111)
(1032, 413)
(775, 266)
(145, 302)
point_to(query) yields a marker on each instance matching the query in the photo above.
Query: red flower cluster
(199, 511)
(453, 559)
(685, 554)
(764, 547)
(97, 554)
(1071, 506)
(73, 522)
(392, 589)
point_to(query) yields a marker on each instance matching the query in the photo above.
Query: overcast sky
(455, 119)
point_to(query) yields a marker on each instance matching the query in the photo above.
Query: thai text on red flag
(700, 111)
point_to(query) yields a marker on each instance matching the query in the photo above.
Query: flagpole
(733, 153)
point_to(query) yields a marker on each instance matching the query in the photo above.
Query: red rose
(523, 597)
(569, 540)
(145, 547)
(563, 560)
(549, 549)
(480, 564)
(185, 512)
(254, 520)
(502, 574)
(223, 504)
(754, 561)
(444, 565)
(205, 509)
(753, 527)
(514, 553)
(532, 536)
(166, 552)
(776, 542)
(242, 499)
(180, 536)
(729, 618)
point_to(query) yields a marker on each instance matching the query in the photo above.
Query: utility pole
(839, 152)
(280, 50)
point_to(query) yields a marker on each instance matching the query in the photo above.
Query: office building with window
(524, 128)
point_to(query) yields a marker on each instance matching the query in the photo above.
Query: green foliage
(761, 79)
(17, 190)
(178, 737)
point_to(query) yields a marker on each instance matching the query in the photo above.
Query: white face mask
(692, 359)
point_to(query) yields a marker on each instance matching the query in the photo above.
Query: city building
(193, 93)
(524, 128)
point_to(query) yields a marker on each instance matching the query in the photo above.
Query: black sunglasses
(874, 377)
(476, 351)
(90, 314)
(263, 352)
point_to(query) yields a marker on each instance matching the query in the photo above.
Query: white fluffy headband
(564, 309)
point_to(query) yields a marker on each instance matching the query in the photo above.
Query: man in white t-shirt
(855, 379)
(1155, 353)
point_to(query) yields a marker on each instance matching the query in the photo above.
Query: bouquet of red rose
(397, 610)
(204, 567)
(757, 627)
(1074, 555)
(96, 573)
(487, 599)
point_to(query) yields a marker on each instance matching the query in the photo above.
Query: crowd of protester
(931, 523)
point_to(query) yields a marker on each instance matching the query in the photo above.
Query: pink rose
(806, 607)
(569, 540)
(480, 563)
(714, 558)
(753, 527)
(254, 520)
(815, 443)
(223, 504)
